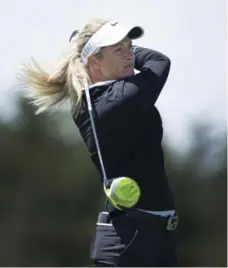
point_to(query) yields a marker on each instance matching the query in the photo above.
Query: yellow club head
(123, 192)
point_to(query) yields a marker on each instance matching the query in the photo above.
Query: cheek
(120, 65)
(108, 70)
(112, 66)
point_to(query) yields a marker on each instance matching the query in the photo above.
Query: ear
(93, 62)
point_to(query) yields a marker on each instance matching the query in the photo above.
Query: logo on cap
(114, 23)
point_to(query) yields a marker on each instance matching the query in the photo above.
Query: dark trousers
(134, 239)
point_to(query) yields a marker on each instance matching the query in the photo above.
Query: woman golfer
(113, 87)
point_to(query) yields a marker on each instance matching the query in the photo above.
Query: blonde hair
(66, 80)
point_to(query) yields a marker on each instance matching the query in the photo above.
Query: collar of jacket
(96, 88)
(108, 82)
(103, 83)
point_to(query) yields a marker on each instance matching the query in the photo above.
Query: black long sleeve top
(130, 130)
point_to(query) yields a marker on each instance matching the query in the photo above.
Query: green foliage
(50, 194)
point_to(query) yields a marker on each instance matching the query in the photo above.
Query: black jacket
(130, 130)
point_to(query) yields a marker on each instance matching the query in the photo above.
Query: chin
(129, 73)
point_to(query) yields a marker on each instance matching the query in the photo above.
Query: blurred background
(50, 192)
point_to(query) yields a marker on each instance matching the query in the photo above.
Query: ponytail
(66, 80)
(44, 89)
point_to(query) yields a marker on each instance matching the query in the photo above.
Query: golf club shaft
(90, 109)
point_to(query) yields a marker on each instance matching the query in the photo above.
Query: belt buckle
(172, 223)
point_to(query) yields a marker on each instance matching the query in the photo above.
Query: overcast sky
(191, 32)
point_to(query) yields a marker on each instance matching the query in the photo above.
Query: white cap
(109, 34)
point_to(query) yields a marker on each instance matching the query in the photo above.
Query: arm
(152, 60)
(145, 87)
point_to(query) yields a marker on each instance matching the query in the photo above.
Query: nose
(128, 54)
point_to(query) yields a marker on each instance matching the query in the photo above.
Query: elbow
(165, 72)
(168, 62)
(167, 67)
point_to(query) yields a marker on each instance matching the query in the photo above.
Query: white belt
(163, 213)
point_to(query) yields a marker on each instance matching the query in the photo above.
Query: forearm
(157, 62)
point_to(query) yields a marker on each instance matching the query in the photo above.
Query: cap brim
(135, 32)
(119, 34)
